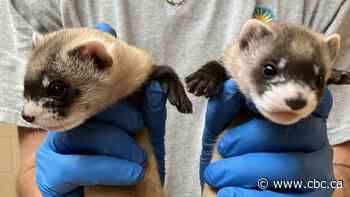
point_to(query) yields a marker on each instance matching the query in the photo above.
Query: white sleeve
(339, 119)
(19, 19)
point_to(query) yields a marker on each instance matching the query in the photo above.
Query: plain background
(9, 160)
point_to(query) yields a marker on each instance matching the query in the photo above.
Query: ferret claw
(202, 83)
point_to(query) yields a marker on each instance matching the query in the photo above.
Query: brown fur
(130, 70)
(233, 57)
(239, 64)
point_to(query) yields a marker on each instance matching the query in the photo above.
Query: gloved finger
(154, 109)
(241, 192)
(122, 115)
(246, 170)
(97, 138)
(325, 105)
(69, 171)
(124, 172)
(261, 135)
(220, 111)
(48, 192)
(106, 28)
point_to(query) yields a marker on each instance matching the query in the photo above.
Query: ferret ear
(37, 39)
(332, 44)
(253, 30)
(339, 77)
(95, 50)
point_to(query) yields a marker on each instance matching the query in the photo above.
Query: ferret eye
(57, 89)
(269, 70)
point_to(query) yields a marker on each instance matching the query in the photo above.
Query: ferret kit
(75, 73)
(282, 69)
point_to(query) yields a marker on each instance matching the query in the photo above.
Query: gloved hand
(261, 149)
(100, 151)
(106, 28)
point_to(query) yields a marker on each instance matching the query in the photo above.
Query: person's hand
(100, 151)
(260, 149)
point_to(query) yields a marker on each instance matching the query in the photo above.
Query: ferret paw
(201, 83)
(177, 96)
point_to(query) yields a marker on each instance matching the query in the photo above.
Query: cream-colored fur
(130, 70)
(239, 64)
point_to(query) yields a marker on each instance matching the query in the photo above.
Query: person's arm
(342, 168)
(338, 117)
(29, 141)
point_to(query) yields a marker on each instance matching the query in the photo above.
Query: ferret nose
(29, 119)
(296, 104)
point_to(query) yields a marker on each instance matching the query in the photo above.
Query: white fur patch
(46, 81)
(278, 79)
(46, 119)
(32, 108)
(37, 39)
(37, 110)
(273, 101)
(282, 63)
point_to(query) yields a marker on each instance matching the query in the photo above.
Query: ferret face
(284, 72)
(61, 89)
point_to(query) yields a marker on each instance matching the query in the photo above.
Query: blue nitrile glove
(261, 149)
(106, 28)
(100, 151)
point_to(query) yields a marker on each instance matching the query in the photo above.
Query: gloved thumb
(221, 109)
(325, 105)
(154, 109)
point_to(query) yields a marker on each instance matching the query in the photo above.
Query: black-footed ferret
(283, 69)
(75, 73)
